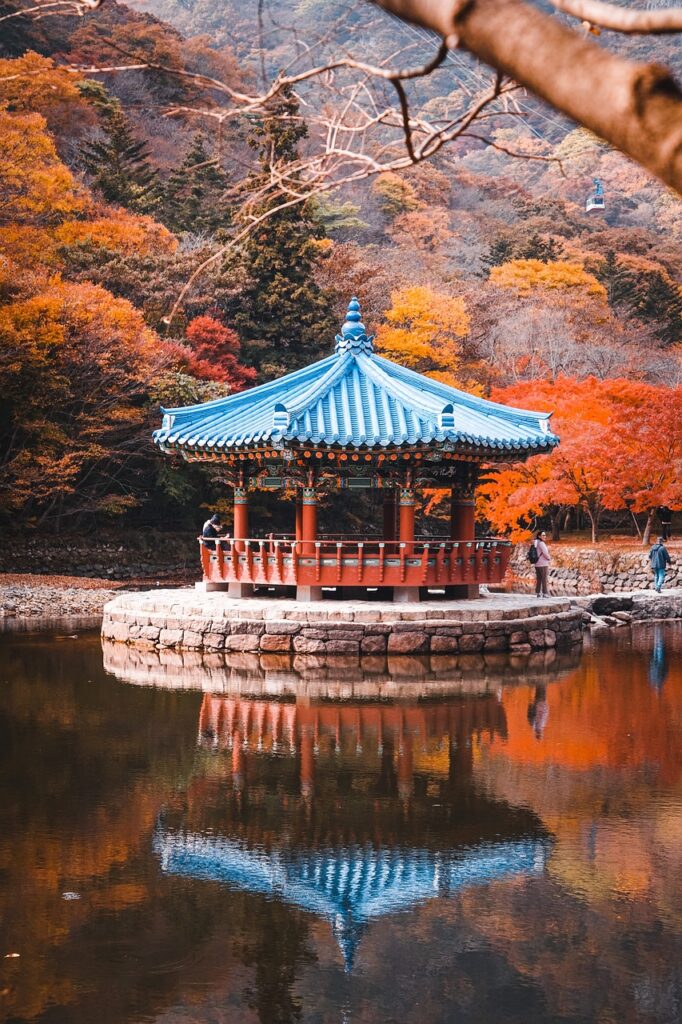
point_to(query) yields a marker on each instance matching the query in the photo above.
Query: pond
(482, 840)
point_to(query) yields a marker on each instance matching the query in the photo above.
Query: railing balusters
(425, 562)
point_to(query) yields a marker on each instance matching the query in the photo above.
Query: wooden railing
(354, 563)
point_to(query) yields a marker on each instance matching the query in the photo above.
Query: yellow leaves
(423, 331)
(32, 83)
(526, 276)
(35, 186)
(120, 231)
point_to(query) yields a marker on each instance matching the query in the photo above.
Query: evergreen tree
(538, 248)
(659, 302)
(193, 199)
(282, 316)
(120, 166)
(615, 280)
(501, 251)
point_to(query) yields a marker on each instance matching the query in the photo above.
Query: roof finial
(353, 337)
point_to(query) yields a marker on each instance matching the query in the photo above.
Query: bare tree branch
(620, 19)
(78, 7)
(636, 107)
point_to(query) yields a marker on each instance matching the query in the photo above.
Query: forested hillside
(120, 289)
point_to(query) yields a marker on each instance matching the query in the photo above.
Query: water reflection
(473, 840)
(386, 816)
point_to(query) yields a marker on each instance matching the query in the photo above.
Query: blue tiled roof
(354, 398)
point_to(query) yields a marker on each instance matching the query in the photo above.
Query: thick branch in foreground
(636, 107)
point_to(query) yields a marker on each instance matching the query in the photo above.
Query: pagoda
(355, 420)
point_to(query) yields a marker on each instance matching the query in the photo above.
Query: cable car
(596, 200)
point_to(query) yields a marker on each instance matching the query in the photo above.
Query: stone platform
(191, 620)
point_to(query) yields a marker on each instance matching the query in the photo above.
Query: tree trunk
(636, 107)
(634, 520)
(594, 522)
(556, 525)
(646, 536)
(567, 519)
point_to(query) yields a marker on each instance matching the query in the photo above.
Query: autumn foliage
(621, 448)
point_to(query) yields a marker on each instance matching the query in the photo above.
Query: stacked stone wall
(158, 621)
(117, 557)
(577, 571)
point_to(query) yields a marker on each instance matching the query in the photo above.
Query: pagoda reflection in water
(349, 811)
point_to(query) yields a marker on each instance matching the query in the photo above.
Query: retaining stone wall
(119, 557)
(576, 571)
(127, 620)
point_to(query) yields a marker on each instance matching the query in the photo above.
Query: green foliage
(119, 164)
(281, 314)
(337, 217)
(194, 194)
(395, 195)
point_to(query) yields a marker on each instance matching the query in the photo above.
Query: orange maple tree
(621, 448)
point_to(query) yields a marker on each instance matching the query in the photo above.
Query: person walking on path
(542, 565)
(660, 559)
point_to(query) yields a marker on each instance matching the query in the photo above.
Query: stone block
(170, 637)
(496, 642)
(408, 643)
(275, 642)
(308, 645)
(248, 626)
(314, 634)
(336, 646)
(550, 638)
(519, 636)
(242, 642)
(150, 633)
(214, 641)
(536, 638)
(282, 626)
(444, 644)
(191, 639)
(373, 644)
(471, 642)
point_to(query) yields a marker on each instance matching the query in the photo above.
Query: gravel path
(53, 596)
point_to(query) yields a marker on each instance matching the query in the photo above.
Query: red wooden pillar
(308, 538)
(407, 508)
(463, 528)
(462, 516)
(309, 520)
(241, 514)
(240, 532)
(406, 513)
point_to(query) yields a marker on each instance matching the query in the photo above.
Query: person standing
(542, 565)
(660, 559)
(665, 518)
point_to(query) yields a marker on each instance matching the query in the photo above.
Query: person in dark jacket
(660, 559)
(212, 528)
(665, 518)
